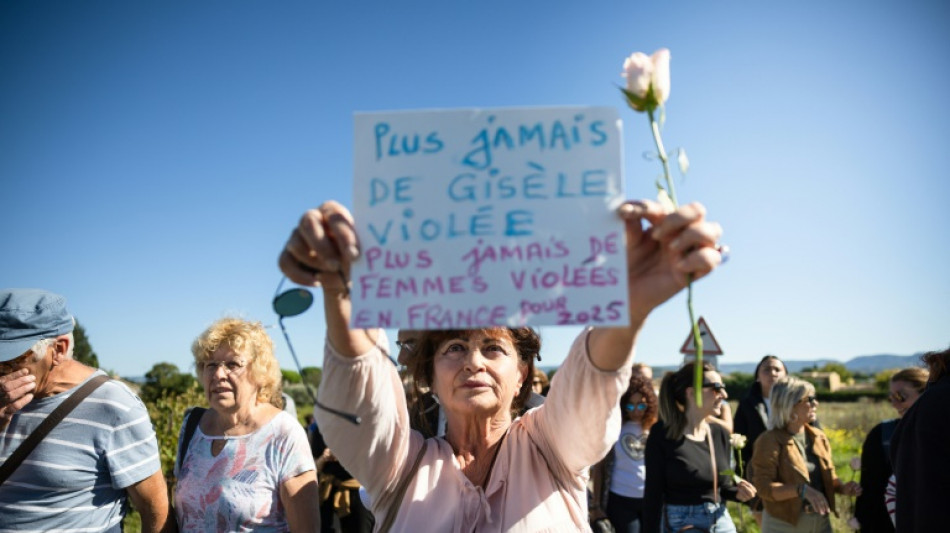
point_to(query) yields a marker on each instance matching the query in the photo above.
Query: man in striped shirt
(79, 477)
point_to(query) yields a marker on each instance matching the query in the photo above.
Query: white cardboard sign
(488, 217)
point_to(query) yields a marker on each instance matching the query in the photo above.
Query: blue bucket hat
(29, 315)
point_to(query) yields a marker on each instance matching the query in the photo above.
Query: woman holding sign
(490, 472)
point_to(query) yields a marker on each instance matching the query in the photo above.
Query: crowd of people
(470, 437)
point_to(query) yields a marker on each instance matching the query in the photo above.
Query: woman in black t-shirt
(686, 483)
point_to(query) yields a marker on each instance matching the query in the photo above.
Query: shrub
(738, 384)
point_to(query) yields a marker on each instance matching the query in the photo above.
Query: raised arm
(319, 254)
(358, 378)
(661, 259)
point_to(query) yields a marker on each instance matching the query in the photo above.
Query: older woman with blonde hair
(791, 466)
(247, 466)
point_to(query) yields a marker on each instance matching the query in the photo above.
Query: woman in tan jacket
(791, 464)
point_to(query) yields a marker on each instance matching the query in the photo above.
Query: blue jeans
(711, 517)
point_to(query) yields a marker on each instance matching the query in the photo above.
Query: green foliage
(847, 395)
(165, 379)
(167, 413)
(290, 376)
(311, 375)
(303, 401)
(82, 351)
(882, 380)
(838, 368)
(738, 384)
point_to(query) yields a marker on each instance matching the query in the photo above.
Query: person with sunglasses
(792, 467)
(492, 470)
(687, 459)
(619, 478)
(905, 387)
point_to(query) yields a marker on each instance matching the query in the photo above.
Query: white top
(630, 472)
(239, 489)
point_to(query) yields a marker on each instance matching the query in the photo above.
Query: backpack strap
(712, 460)
(193, 416)
(401, 490)
(47, 425)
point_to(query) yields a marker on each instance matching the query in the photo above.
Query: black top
(806, 448)
(334, 468)
(750, 420)
(869, 507)
(679, 472)
(919, 454)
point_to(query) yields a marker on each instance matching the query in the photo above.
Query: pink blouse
(539, 479)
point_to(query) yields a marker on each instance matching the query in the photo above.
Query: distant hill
(865, 364)
(875, 363)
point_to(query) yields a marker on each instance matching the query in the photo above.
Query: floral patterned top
(239, 489)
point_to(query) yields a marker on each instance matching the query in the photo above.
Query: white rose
(738, 441)
(854, 524)
(644, 72)
(856, 463)
(661, 75)
(638, 69)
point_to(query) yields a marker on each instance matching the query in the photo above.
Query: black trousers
(626, 514)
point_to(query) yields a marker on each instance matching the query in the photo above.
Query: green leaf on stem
(683, 161)
(645, 103)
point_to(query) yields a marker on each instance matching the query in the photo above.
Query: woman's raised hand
(663, 256)
(321, 248)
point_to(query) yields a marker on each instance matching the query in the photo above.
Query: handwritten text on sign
(499, 217)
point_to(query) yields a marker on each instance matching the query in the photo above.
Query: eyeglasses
(8, 367)
(896, 397)
(718, 386)
(537, 382)
(407, 345)
(809, 399)
(230, 367)
(631, 407)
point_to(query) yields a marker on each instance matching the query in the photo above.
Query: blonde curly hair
(248, 339)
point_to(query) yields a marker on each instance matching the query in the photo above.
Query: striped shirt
(75, 479)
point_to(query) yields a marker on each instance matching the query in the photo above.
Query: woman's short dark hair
(421, 362)
(938, 363)
(643, 387)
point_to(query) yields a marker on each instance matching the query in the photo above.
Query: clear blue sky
(157, 154)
